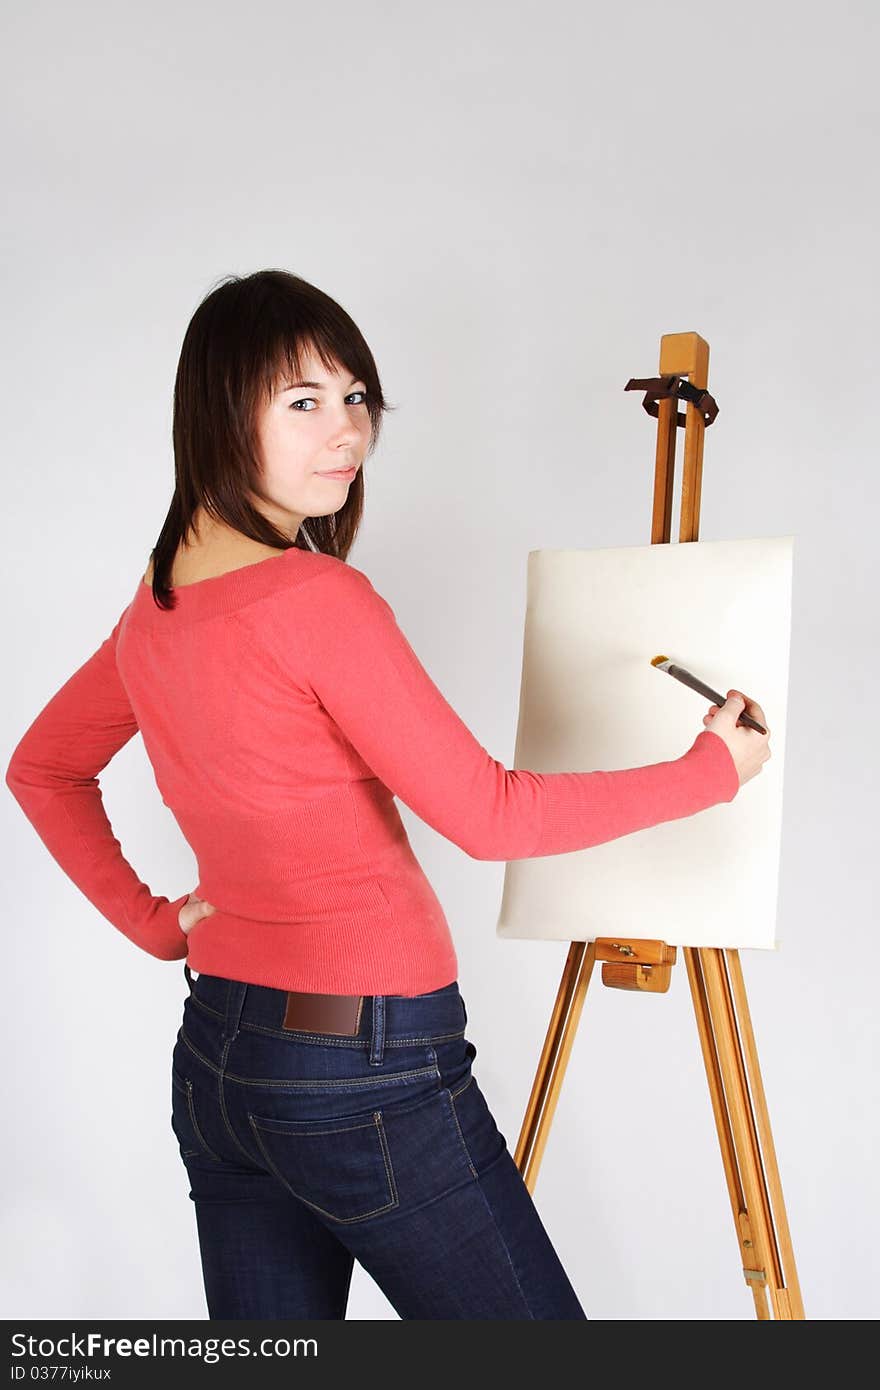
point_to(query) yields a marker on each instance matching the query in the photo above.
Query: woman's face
(309, 428)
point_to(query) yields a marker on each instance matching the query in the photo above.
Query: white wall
(514, 202)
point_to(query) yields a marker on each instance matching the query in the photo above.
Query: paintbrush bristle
(655, 660)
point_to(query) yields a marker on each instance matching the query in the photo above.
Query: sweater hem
(285, 955)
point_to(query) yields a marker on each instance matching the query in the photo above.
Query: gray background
(514, 203)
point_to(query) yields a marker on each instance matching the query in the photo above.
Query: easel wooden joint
(715, 976)
(645, 965)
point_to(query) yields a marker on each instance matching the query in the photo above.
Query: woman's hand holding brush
(749, 749)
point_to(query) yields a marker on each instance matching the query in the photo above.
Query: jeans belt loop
(377, 1038)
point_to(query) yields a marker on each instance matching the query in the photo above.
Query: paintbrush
(682, 674)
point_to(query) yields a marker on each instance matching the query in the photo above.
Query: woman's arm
(344, 644)
(53, 775)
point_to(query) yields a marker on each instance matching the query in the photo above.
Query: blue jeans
(307, 1151)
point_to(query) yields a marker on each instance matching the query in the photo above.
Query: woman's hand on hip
(193, 910)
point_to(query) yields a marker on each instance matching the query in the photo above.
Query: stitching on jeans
(340, 1083)
(342, 1220)
(300, 1131)
(181, 1086)
(486, 1202)
(335, 1083)
(460, 1135)
(386, 1153)
(504, 1246)
(195, 1124)
(223, 1111)
(207, 1007)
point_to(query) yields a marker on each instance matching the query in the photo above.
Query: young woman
(322, 1089)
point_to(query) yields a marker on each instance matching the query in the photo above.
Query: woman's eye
(306, 400)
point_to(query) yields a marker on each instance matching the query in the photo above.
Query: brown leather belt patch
(323, 1013)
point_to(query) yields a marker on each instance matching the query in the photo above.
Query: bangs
(286, 360)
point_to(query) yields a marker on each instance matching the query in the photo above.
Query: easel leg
(738, 1102)
(554, 1059)
(743, 1125)
(789, 1300)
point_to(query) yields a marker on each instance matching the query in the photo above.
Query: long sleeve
(363, 671)
(53, 775)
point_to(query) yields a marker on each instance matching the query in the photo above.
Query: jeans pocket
(184, 1122)
(454, 1058)
(339, 1167)
(481, 1138)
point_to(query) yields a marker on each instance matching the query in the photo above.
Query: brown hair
(241, 336)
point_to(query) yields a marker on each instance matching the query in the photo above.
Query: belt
(323, 1013)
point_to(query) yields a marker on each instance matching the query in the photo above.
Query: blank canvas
(590, 699)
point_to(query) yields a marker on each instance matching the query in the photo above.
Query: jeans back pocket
(341, 1167)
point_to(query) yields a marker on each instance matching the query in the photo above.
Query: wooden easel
(715, 975)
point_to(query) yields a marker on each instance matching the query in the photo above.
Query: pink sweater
(283, 710)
